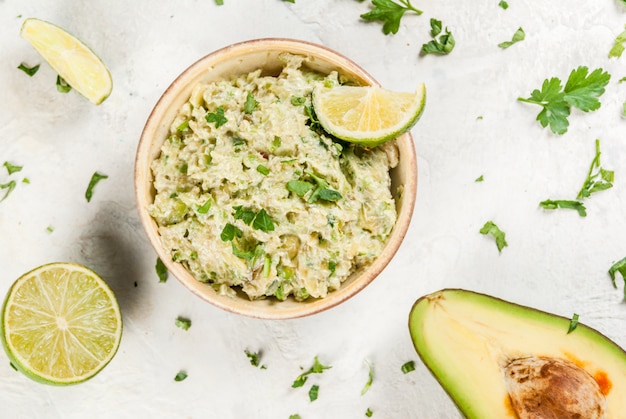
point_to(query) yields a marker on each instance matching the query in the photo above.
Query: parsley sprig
(598, 178)
(581, 91)
(316, 368)
(390, 13)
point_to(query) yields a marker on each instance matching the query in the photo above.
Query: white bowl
(239, 59)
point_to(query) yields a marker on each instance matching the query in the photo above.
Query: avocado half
(475, 344)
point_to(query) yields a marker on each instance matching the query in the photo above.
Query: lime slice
(61, 324)
(68, 56)
(367, 115)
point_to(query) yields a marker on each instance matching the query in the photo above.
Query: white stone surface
(472, 126)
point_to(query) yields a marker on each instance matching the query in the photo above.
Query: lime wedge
(61, 324)
(367, 115)
(68, 56)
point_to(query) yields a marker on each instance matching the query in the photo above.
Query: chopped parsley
(321, 189)
(491, 228)
(9, 186)
(313, 392)
(11, 168)
(183, 126)
(255, 359)
(31, 71)
(219, 2)
(370, 379)
(407, 367)
(316, 368)
(389, 13)
(229, 232)
(296, 416)
(218, 117)
(95, 178)
(503, 4)
(573, 324)
(204, 208)
(551, 204)
(518, 36)
(180, 376)
(161, 270)
(480, 178)
(49, 229)
(250, 105)
(618, 46)
(62, 85)
(619, 266)
(581, 91)
(442, 45)
(598, 179)
(262, 221)
(182, 323)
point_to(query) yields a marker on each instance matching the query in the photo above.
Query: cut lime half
(61, 324)
(367, 115)
(73, 60)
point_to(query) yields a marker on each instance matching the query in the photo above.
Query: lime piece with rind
(367, 115)
(74, 61)
(60, 324)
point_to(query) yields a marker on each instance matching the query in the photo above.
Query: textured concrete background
(472, 126)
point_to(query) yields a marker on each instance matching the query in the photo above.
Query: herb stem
(407, 4)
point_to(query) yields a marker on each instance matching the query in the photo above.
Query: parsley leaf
(161, 270)
(592, 183)
(619, 266)
(180, 376)
(408, 366)
(551, 204)
(370, 379)
(250, 104)
(263, 221)
(11, 168)
(9, 186)
(313, 392)
(503, 4)
(443, 45)
(491, 228)
(62, 85)
(369, 412)
(204, 208)
(390, 13)
(255, 359)
(582, 91)
(95, 178)
(519, 35)
(229, 232)
(573, 324)
(217, 117)
(299, 187)
(31, 71)
(245, 215)
(317, 368)
(183, 323)
(618, 46)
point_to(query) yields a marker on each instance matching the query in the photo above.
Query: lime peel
(367, 115)
(60, 324)
(74, 61)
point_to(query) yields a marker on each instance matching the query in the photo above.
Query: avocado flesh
(467, 340)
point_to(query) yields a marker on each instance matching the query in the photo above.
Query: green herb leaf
(219, 2)
(313, 392)
(180, 376)
(62, 85)
(330, 195)
(503, 4)
(317, 368)
(296, 416)
(619, 266)
(479, 179)
(573, 323)
(217, 117)
(183, 323)
(408, 366)
(370, 379)
(518, 36)
(582, 91)
(204, 208)
(31, 71)
(95, 178)
(491, 228)
(250, 105)
(263, 221)
(551, 204)
(11, 168)
(443, 45)
(618, 46)
(229, 232)
(369, 412)
(245, 215)
(9, 186)
(598, 179)
(299, 187)
(389, 13)
(183, 126)
(255, 359)
(161, 270)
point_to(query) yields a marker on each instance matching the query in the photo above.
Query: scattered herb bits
(573, 323)
(31, 71)
(370, 379)
(182, 323)
(492, 229)
(407, 367)
(442, 45)
(619, 266)
(518, 36)
(180, 376)
(552, 204)
(95, 179)
(161, 270)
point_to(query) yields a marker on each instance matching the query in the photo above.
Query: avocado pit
(548, 388)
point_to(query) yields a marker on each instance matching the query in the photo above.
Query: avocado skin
(466, 338)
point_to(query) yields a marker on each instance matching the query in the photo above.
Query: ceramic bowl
(239, 59)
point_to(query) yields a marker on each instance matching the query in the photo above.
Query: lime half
(68, 56)
(61, 324)
(367, 115)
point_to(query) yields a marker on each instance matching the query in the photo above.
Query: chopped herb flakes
(592, 182)
(369, 412)
(9, 186)
(62, 85)
(255, 359)
(551, 204)
(618, 46)
(573, 323)
(491, 228)
(317, 368)
(619, 266)
(31, 71)
(503, 4)
(161, 270)
(95, 178)
(479, 179)
(442, 45)
(250, 104)
(313, 392)
(180, 376)
(370, 379)
(408, 366)
(518, 36)
(217, 117)
(182, 323)
(11, 168)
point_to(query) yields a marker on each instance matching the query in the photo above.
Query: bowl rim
(250, 308)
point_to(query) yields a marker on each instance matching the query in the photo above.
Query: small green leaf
(62, 85)
(389, 13)
(503, 4)
(217, 117)
(573, 323)
(551, 204)
(491, 228)
(31, 71)
(518, 36)
(229, 232)
(370, 379)
(618, 45)
(95, 178)
(408, 366)
(444, 45)
(245, 215)
(183, 323)
(180, 376)
(161, 270)
(479, 179)
(299, 187)
(11, 168)
(369, 412)
(263, 170)
(204, 208)
(183, 126)
(313, 392)
(263, 221)
(255, 359)
(250, 105)
(619, 266)
(317, 368)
